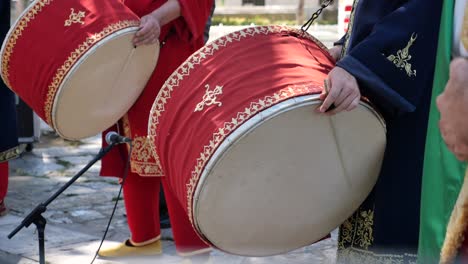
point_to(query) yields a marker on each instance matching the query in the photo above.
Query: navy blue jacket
(8, 131)
(390, 49)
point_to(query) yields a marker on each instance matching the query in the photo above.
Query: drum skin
(258, 171)
(74, 64)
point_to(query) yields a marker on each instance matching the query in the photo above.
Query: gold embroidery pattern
(75, 56)
(210, 98)
(355, 238)
(21, 25)
(346, 233)
(140, 158)
(185, 68)
(364, 231)
(357, 230)
(126, 126)
(75, 18)
(12, 153)
(350, 29)
(359, 256)
(236, 121)
(141, 153)
(401, 60)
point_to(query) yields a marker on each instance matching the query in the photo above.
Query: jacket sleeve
(341, 41)
(194, 17)
(395, 62)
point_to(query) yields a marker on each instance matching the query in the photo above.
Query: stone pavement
(77, 218)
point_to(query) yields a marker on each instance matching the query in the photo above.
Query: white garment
(458, 48)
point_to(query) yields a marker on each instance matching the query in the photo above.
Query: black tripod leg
(40, 223)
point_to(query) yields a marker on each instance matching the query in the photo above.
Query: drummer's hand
(149, 31)
(344, 92)
(335, 52)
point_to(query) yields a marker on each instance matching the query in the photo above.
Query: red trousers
(3, 179)
(141, 196)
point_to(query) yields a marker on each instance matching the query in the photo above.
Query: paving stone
(86, 215)
(31, 165)
(25, 241)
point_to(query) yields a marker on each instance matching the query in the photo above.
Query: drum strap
(124, 68)
(338, 149)
(315, 15)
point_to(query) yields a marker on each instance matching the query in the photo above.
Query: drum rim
(245, 129)
(8, 36)
(14, 33)
(172, 82)
(74, 68)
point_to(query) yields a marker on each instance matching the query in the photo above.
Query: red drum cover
(258, 171)
(74, 63)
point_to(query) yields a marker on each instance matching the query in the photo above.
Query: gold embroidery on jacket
(142, 154)
(344, 50)
(357, 230)
(12, 153)
(356, 235)
(402, 58)
(126, 126)
(75, 18)
(210, 97)
(141, 158)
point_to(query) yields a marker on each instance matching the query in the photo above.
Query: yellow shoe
(126, 249)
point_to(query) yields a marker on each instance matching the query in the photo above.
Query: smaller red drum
(258, 171)
(74, 64)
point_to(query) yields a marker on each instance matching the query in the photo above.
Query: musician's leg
(141, 197)
(3, 187)
(186, 240)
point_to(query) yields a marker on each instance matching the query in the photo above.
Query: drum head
(288, 177)
(103, 85)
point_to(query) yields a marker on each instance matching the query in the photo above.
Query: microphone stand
(35, 216)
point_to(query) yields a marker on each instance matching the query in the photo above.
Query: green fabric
(443, 173)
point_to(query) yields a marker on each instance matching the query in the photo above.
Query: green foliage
(260, 20)
(248, 20)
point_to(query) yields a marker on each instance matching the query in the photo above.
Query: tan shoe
(126, 249)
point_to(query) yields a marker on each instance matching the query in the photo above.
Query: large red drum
(74, 63)
(258, 171)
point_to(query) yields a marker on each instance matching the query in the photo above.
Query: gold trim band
(74, 57)
(197, 58)
(12, 153)
(15, 33)
(236, 121)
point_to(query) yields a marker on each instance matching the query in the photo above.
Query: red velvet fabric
(253, 70)
(3, 180)
(142, 203)
(45, 44)
(182, 37)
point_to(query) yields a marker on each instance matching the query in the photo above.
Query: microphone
(114, 138)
